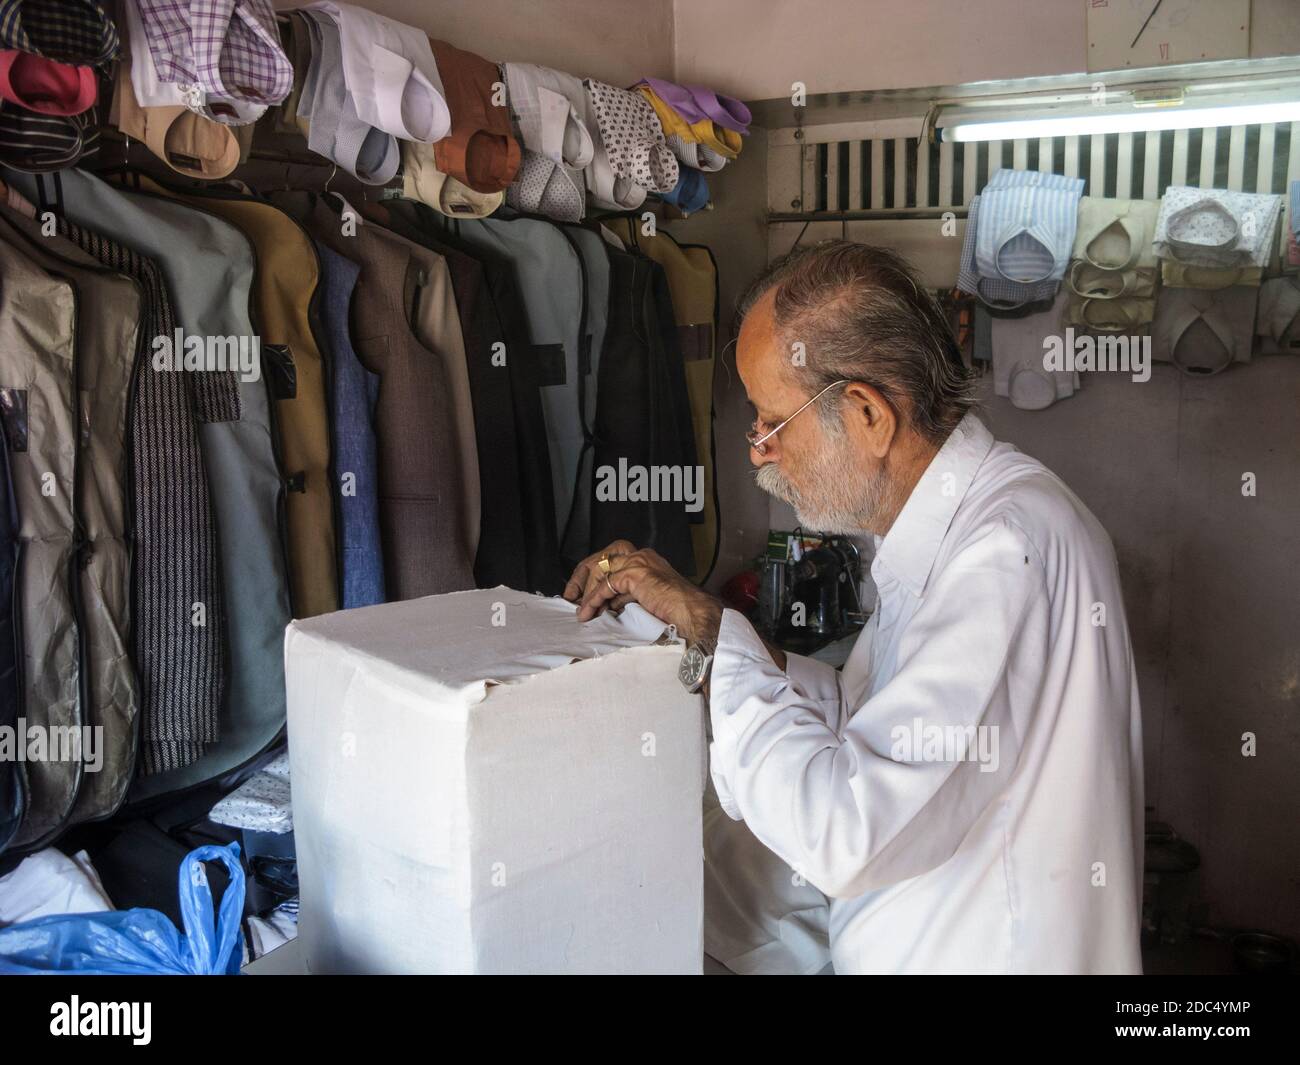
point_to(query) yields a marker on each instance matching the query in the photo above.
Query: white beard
(834, 499)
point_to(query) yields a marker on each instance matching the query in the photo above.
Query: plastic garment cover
(139, 942)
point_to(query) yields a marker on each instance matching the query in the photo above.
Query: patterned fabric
(181, 666)
(71, 31)
(695, 155)
(557, 146)
(228, 49)
(1216, 227)
(547, 187)
(994, 292)
(632, 137)
(37, 144)
(262, 803)
(1028, 222)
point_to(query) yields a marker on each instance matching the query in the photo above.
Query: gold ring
(610, 586)
(603, 565)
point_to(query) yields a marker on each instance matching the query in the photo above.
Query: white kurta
(968, 791)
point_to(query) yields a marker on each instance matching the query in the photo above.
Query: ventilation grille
(896, 173)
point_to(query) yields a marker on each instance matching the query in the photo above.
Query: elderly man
(966, 795)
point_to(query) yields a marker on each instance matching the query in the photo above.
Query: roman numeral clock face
(1154, 33)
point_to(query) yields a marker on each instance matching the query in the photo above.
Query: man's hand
(642, 576)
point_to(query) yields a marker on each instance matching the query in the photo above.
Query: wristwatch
(694, 668)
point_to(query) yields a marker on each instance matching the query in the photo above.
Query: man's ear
(872, 417)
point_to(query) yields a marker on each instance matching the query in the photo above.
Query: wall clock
(1153, 33)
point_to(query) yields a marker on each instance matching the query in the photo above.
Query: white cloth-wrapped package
(484, 784)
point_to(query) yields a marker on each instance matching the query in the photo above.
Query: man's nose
(762, 460)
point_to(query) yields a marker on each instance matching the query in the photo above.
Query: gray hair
(862, 315)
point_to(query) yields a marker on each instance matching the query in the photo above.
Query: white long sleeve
(968, 791)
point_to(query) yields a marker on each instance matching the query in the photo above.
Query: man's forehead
(756, 345)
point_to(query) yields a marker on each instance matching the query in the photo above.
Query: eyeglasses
(758, 443)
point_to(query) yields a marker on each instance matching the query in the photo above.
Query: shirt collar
(909, 549)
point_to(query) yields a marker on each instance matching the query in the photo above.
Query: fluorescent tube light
(1083, 124)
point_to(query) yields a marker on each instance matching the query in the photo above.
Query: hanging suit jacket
(208, 266)
(693, 284)
(180, 667)
(594, 251)
(435, 319)
(642, 412)
(508, 322)
(353, 393)
(421, 494)
(107, 327)
(501, 554)
(286, 306)
(13, 781)
(549, 271)
(37, 330)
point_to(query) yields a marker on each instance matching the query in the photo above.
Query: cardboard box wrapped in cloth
(484, 784)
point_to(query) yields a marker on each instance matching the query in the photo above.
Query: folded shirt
(632, 137)
(1019, 373)
(697, 104)
(1084, 279)
(1277, 322)
(1129, 316)
(1187, 275)
(691, 193)
(996, 293)
(390, 72)
(46, 86)
(1027, 228)
(1216, 227)
(1113, 234)
(557, 144)
(187, 142)
(695, 155)
(423, 181)
(227, 50)
(39, 144)
(336, 130)
(1202, 331)
(80, 32)
(719, 139)
(480, 147)
(149, 90)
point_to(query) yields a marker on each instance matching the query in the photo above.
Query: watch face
(691, 667)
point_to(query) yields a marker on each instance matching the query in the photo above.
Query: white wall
(754, 49)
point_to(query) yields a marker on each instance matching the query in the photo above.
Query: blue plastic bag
(139, 942)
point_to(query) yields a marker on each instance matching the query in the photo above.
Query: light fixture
(1139, 112)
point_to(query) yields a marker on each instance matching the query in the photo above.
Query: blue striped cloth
(996, 292)
(1028, 224)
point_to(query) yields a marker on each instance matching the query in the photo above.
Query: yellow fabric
(288, 272)
(693, 284)
(726, 142)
